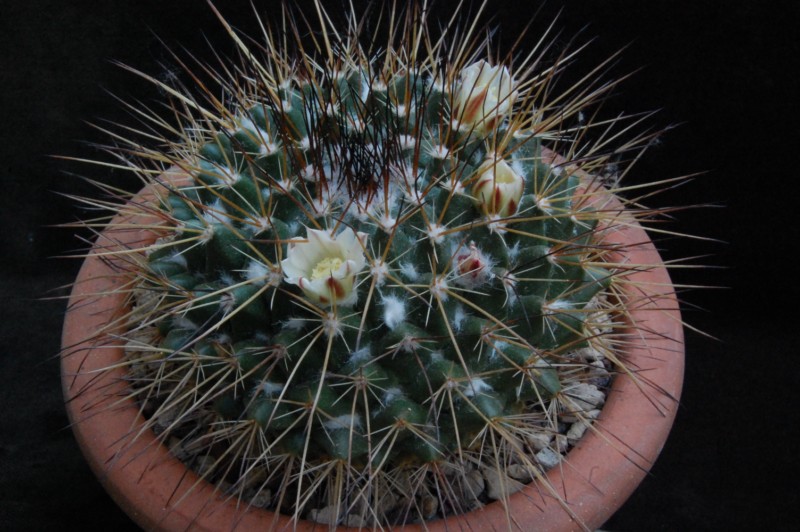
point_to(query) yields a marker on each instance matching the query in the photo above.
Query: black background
(720, 69)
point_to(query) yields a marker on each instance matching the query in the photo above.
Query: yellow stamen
(325, 267)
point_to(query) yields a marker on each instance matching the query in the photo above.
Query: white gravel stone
(584, 397)
(597, 370)
(499, 485)
(324, 516)
(164, 420)
(590, 354)
(592, 414)
(576, 431)
(548, 458)
(261, 499)
(539, 440)
(473, 485)
(177, 448)
(355, 521)
(519, 472)
(561, 443)
(429, 506)
(578, 417)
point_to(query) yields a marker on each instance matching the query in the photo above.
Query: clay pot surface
(158, 492)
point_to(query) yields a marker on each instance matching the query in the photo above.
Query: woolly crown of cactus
(369, 275)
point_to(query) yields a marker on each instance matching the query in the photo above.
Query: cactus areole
(362, 292)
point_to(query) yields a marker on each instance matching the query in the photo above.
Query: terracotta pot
(159, 493)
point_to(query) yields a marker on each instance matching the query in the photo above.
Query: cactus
(369, 276)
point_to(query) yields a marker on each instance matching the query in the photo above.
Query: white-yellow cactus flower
(483, 95)
(325, 267)
(498, 189)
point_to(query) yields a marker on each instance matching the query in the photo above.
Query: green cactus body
(436, 318)
(372, 264)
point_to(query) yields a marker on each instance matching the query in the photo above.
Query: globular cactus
(368, 275)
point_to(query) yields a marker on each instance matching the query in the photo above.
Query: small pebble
(548, 458)
(261, 499)
(584, 396)
(590, 354)
(355, 521)
(177, 448)
(429, 506)
(561, 443)
(164, 419)
(539, 440)
(324, 516)
(576, 431)
(598, 374)
(519, 472)
(499, 485)
(473, 485)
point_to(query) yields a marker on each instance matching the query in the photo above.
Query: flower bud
(325, 267)
(472, 266)
(498, 189)
(483, 95)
